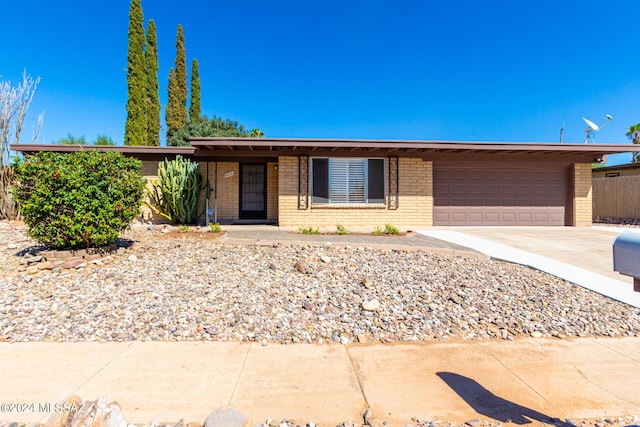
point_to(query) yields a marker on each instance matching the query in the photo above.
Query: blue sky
(456, 70)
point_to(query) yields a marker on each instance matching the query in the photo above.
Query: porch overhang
(427, 150)
(139, 152)
(207, 149)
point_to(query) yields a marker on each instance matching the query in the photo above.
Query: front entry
(253, 191)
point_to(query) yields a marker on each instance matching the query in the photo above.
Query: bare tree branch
(37, 128)
(14, 104)
(26, 93)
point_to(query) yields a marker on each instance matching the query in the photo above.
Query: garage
(475, 193)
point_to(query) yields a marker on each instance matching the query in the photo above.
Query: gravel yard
(186, 288)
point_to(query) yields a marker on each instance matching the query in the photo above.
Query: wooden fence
(617, 197)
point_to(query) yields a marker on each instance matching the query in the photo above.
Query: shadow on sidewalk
(488, 404)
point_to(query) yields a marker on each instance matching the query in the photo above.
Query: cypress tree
(136, 124)
(172, 102)
(194, 106)
(181, 74)
(178, 85)
(153, 99)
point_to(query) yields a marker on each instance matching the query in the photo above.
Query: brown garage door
(491, 194)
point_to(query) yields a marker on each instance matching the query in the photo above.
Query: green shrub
(79, 199)
(183, 229)
(309, 230)
(214, 228)
(340, 229)
(175, 193)
(390, 229)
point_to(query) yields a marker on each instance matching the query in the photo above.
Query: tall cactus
(175, 193)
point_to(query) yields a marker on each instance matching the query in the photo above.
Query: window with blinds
(347, 181)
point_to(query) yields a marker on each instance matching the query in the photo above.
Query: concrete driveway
(580, 255)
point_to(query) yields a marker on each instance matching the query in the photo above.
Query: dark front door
(253, 191)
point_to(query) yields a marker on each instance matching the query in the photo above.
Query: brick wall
(228, 197)
(229, 190)
(415, 196)
(272, 192)
(150, 173)
(582, 200)
(415, 200)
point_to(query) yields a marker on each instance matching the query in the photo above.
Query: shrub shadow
(92, 250)
(124, 242)
(33, 250)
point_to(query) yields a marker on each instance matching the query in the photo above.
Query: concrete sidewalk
(535, 379)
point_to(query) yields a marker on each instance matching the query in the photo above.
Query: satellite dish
(592, 126)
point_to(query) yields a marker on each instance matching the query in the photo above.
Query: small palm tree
(633, 133)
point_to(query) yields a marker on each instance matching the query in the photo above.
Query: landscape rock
(64, 417)
(225, 418)
(99, 413)
(373, 422)
(53, 264)
(455, 298)
(227, 292)
(300, 266)
(74, 263)
(373, 305)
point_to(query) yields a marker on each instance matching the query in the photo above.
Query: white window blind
(338, 179)
(357, 180)
(348, 181)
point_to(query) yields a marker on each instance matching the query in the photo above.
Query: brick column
(582, 195)
(288, 213)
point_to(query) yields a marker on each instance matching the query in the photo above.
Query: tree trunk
(8, 206)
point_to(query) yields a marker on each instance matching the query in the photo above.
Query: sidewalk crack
(355, 374)
(521, 379)
(235, 387)
(599, 342)
(103, 367)
(583, 375)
